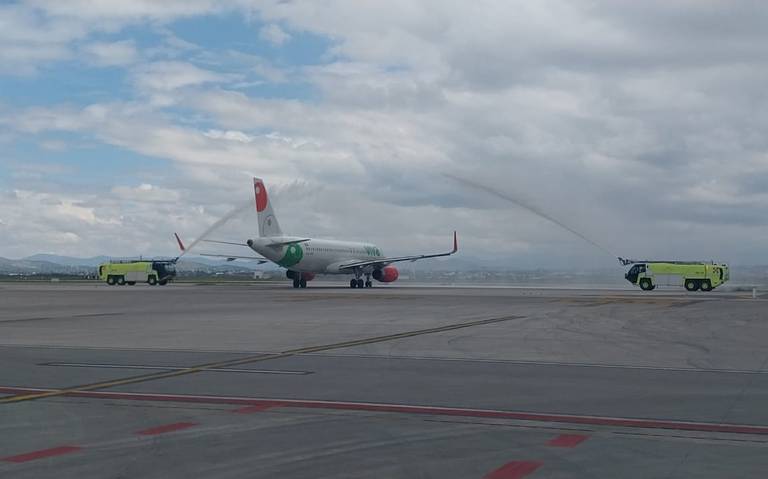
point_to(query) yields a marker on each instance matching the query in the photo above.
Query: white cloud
(622, 119)
(109, 10)
(119, 53)
(230, 135)
(274, 34)
(146, 192)
(171, 75)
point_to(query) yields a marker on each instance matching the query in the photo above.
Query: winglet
(455, 243)
(181, 245)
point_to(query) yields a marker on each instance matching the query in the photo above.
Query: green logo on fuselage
(293, 254)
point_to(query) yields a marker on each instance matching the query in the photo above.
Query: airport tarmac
(249, 380)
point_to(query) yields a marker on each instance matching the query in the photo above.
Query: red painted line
(513, 470)
(431, 410)
(31, 456)
(177, 426)
(568, 440)
(258, 407)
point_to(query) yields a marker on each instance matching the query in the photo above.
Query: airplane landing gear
(296, 282)
(357, 281)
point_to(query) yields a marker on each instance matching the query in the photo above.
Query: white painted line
(175, 368)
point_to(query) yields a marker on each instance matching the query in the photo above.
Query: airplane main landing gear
(359, 283)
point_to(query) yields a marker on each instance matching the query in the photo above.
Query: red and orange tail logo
(261, 195)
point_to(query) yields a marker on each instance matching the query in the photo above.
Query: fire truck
(152, 272)
(693, 275)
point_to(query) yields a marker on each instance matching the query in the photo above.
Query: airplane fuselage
(315, 255)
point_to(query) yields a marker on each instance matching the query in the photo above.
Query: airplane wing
(385, 261)
(229, 257)
(224, 242)
(233, 257)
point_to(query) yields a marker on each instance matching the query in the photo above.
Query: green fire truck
(143, 271)
(693, 276)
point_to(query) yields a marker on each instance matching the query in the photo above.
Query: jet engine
(386, 274)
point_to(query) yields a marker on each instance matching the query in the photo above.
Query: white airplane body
(305, 257)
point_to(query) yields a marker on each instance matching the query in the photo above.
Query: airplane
(305, 257)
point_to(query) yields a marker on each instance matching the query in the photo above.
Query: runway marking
(522, 362)
(258, 408)
(177, 426)
(610, 421)
(31, 456)
(46, 318)
(253, 359)
(567, 440)
(410, 358)
(174, 368)
(514, 470)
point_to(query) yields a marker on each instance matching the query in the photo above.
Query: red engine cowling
(308, 276)
(386, 274)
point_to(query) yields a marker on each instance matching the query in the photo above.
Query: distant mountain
(68, 260)
(26, 266)
(56, 264)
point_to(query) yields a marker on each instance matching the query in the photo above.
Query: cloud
(107, 54)
(108, 10)
(230, 135)
(273, 34)
(146, 192)
(23, 49)
(624, 119)
(172, 75)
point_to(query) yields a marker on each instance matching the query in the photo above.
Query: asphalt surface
(266, 381)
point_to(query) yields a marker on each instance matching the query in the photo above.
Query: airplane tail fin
(268, 225)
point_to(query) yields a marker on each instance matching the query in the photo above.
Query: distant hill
(56, 264)
(68, 260)
(27, 266)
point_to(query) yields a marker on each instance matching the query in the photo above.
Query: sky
(641, 125)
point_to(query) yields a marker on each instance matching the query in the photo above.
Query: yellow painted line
(251, 359)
